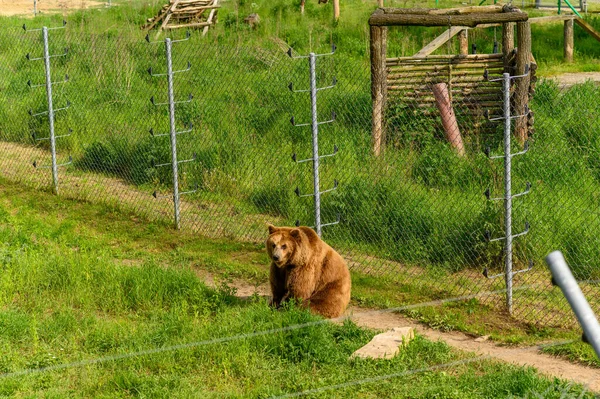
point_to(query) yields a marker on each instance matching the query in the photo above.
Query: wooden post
(336, 10)
(521, 95)
(463, 41)
(569, 40)
(380, 3)
(508, 43)
(444, 105)
(378, 82)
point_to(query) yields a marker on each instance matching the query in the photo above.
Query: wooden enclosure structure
(413, 79)
(185, 14)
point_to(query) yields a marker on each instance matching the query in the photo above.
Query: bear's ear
(272, 228)
(295, 233)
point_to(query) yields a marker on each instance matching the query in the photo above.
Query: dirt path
(531, 356)
(570, 79)
(25, 7)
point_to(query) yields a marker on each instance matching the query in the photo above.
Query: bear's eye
(274, 246)
(283, 246)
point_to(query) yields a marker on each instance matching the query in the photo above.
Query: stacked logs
(185, 14)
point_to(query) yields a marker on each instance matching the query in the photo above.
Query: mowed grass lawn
(87, 311)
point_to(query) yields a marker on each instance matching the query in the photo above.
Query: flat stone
(386, 345)
(482, 339)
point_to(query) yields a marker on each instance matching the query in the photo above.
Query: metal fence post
(508, 195)
(314, 124)
(172, 127)
(34, 8)
(50, 109)
(172, 133)
(315, 141)
(562, 276)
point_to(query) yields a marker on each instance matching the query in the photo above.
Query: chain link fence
(415, 215)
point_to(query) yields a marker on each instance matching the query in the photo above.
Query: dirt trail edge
(548, 365)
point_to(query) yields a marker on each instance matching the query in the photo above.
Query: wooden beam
(588, 28)
(446, 11)
(471, 20)
(439, 41)
(169, 12)
(508, 43)
(378, 81)
(463, 42)
(210, 18)
(551, 18)
(190, 25)
(336, 10)
(569, 41)
(521, 94)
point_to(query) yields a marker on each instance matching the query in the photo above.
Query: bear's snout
(276, 258)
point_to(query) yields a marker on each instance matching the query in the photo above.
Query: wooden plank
(210, 18)
(551, 18)
(169, 13)
(439, 41)
(588, 28)
(190, 25)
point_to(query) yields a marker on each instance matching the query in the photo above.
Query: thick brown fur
(304, 267)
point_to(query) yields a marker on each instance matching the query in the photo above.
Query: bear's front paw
(274, 303)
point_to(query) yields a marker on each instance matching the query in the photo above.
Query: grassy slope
(81, 282)
(556, 130)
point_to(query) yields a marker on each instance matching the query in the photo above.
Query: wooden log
(438, 67)
(439, 41)
(569, 41)
(449, 122)
(446, 11)
(463, 42)
(469, 20)
(508, 43)
(378, 37)
(336, 10)
(190, 25)
(521, 94)
(445, 58)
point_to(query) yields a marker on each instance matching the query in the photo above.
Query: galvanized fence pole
(315, 141)
(507, 193)
(314, 124)
(172, 127)
(562, 276)
(50, 109)
(173, 133)
(34, 8)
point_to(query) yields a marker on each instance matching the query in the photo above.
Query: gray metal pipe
(585, 315)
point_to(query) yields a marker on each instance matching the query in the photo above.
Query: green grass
(418, 204)
(79, 283)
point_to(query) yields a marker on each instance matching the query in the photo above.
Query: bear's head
(282, 244)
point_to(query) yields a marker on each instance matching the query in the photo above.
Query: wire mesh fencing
(416, 214)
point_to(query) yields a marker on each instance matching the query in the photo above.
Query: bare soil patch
(25, 7)
(570, 79)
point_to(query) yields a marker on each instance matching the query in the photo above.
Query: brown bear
(304, 267)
